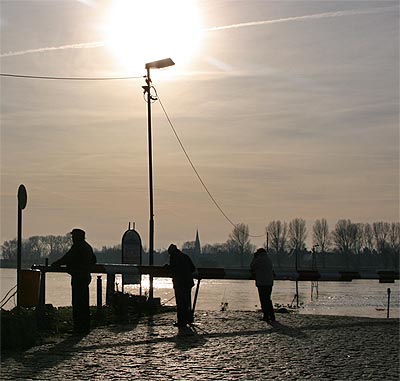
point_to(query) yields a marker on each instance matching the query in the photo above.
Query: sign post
(131, 254)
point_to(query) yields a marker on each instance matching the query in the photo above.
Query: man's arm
(65, 259)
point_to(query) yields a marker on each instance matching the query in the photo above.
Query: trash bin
(29, 288)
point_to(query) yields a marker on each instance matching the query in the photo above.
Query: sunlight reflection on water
(357, 298)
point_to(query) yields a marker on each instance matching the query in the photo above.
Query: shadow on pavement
(44, 357)
(286, 330)
(188, 338)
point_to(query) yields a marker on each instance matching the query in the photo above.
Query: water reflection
(357, 298)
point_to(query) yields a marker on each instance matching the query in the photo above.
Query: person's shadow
(286, 330)
(188, 337)
(36, 361)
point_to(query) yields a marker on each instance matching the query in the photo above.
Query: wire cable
(163, 304)
(12, 288)
(195, 170)
(166, 115)
(8, 299)
(68, 78)
(193, 167)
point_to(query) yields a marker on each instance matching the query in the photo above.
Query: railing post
(110, 288)
(99, 294)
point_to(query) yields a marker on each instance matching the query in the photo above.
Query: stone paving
(230, 345)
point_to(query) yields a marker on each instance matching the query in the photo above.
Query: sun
(141, 31)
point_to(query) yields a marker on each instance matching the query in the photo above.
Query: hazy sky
(287, 109)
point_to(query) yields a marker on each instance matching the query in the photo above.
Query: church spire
(197, 247)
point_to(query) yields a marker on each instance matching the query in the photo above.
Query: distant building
(192, 248)
(197, 246)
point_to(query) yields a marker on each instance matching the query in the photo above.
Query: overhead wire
(165, 113)
(5, 296)
(68, 78)
(11, 296)
(194, 168)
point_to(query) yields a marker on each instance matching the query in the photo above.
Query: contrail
(352, 12)
(216, 28)
(84, 45)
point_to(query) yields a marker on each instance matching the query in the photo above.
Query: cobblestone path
(229, 345)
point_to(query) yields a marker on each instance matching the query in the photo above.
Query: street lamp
(147, 89)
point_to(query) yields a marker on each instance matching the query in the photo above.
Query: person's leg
(75, 301)
(269, 305)
(180, 306)
(81, 308)
(262, 293)
(85, 304)
(187, 305)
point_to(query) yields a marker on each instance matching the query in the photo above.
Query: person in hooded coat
(261, 267)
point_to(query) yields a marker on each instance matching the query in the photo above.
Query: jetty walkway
(230, 345)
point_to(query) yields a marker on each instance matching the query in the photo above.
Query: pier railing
(384, 276)
(331, 275)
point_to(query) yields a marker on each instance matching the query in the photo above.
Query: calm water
(357, 298)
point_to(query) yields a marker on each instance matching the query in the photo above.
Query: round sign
(22, 197)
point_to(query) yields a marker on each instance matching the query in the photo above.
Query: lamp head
(160, 64)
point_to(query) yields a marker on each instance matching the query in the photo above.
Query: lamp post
(147, 89)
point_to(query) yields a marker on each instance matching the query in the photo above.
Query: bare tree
(345, 237)
(394, 241)
(188, 246)
(54, 246)
(9, 249)
(342, 236)
(239, 241)
(297, 234)
(216, 248)
(321, 235)
(36, 247)
(394, 237)
(368, 237)
(381, 234)
(358, 232)
(277, 233)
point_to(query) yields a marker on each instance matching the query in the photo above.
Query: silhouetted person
(79, 260)
(182, 269)
(261, 267)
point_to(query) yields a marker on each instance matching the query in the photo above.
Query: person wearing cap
(261, 267)
(79, 260)
(182, 269)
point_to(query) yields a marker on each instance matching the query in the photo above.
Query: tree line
(36, 249)
(348, 245)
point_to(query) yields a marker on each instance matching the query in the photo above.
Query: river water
(367, 298)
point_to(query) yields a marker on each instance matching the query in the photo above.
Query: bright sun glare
(141, 31)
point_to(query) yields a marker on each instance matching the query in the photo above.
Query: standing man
(79, 260)
(261, 267)
(182, 269)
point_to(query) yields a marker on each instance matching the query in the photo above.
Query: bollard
(110, 288)
(99, 294)
(388, 303)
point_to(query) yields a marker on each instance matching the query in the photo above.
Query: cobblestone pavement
(229, 345)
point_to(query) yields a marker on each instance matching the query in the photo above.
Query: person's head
(172, 249)
(260, 251)
(77, 235)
